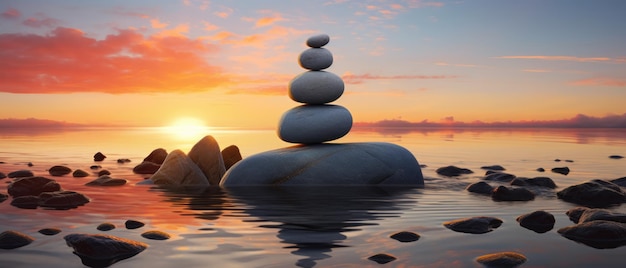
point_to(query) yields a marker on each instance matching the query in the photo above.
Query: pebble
(405, 236)
(20, 174)
(453, 171)
(107, 226)
(538, 221)
(103, 172)
(133, 224)
(502, 259)
(474, 225)
(59, 170)
(382, 258)
(49, 231)
(99, 157)
(79, 173)
(561, 170)
(616, 157)
(156, 235)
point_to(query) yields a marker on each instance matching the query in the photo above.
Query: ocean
(313, 227)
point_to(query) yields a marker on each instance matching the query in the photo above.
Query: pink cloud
(600, 81)
(156, 24)
(11, 13)
(561, 58)
(350, 78)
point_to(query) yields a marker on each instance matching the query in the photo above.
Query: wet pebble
(106, 226)
(502, 259)
(133, 224)
(382, 258)
(405, 236)
(49, 231)
(452, 171)
(99, 157)
(59, 170)
(561, 170)
(13, 239)
(156, 235)
(616, 157)
(20, 173)
(480, 187)
(79, 173)
(539, 221)
(474, 225)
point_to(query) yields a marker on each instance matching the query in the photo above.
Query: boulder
(311, 124)
(599, 234)
(329, 164)
(621, 181)
(316, 87)
(62, 200)
(502, 259)
(96, 250)
(13, 239)
(583, 214)
(595, 193)
(32, 186)
(541, 182)
(231, 156)
(178, 169)
(503, 193)
(453, 171)
(106, 180)
(474, 225)
(157, 156)
(480, 187)
(561, 170)
(59, 170)
(79, 173)
(207, 156)
(499, 176)
(99, 157)
(315, 59)
(538, 221)
(146, 167)
(20, 173)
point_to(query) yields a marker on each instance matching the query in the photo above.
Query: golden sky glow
(148, 63)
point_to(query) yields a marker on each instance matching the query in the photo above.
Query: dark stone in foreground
(99, 157)
(583, 214)
(595, 193)
(32, 186)
(106, 180)
(480, 187)
(372, 163)
(156, 235)
(25, 202)
(474, 225)
(538, 221)
(59, 170)
(621, 181)
(13, 239)
(20, 173)
(503, 193)
(502, 259)
(382, 258)
(597, 234)
(49, 231)
(133, 224)
(561, 170)
(62, 200)
(405, 237)
(97, 250)
(453, 171)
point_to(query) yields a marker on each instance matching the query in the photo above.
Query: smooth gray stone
(318, 41)
(316, 59)
(309, 124)
(179, 169)
(316, 87)
(371, 163)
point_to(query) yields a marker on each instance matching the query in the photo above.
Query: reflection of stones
(315, 228)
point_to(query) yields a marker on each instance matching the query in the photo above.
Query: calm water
(313, 227)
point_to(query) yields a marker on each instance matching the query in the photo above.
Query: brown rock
(79, 173)
(538, 221)
(59, 170)
(502, 259)
(207, 155)
(474, 225)
(231, 156)
(595, 193)
(146, 167)
(179, 169)
(99, 157)
(503, 193)
(597, 234)
(106, 180)
(13, 239)
(32, 186)
(96, 250)
(157, 156)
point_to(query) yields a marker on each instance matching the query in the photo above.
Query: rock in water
(179, 169)
(106, 180)
(452, 171)
(14, 239)
(316, 87)
(59, 170)
(538, 221)
(502, 259)
(97, 250)
(474, 225)
(310, 124)
(231, 156)
(373, 163)
(99, 157)
(207, 155)
(157, 156)
(597, 234)
(32, 186)
(595, 193)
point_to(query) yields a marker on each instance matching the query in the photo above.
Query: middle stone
(316, 87)
(309, 124)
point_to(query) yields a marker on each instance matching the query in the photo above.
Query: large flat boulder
(372, 163)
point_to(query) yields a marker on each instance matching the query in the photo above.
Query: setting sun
(187, 128)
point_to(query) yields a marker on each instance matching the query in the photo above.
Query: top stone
(318, 41)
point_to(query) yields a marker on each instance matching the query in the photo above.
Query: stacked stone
(315, 121)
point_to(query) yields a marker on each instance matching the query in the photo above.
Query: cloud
(11, 13)
(43, 22)
(225, 12)
(578, 121)
(13, 123)
(536, 71)
(600, 81)
(565, 58)
(156, 24)
(66, 61)
(350, 78)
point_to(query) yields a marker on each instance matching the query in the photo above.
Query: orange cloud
(224, 13)
(608, 82)
(350, 78)
(562, 58)
(209, 26)
(179, 31)
(11, 13)
(265, 21)
(67, 61)
(156, 24)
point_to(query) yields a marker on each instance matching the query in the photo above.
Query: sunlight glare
(188, 128)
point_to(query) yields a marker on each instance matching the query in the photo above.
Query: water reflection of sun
(187, 128)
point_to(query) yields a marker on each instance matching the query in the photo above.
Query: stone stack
(316, 121)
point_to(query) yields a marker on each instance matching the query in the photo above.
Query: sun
(187, 128)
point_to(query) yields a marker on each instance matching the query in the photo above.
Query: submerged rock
(25, 202)
(20, 173)
(106, 180)
(597, 234)
(480, 187)
(405, 236)
(616, 157)
(79, 173)
(13, 239)
(207, 156)
(583, 214)
(595, 193)
(133, 224)
(382, 258)
(499, 176)
(146, 167)
(502, 259)
(621, 181)
(49, 231)
(538, 221)
(503, 193)
(99, 157)
(32, 186)
(103, 172)
(106, 226)
(493, 167)
(156, 235)
(474, 225)
(62, 200)
(178, 169)
(453, 171)
(329, 164)
(157, 156)
(59, 170)
(3, 197)
(96, 250)
(561, 170)
(2, 175)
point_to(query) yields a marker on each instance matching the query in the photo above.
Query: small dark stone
(97, 250)
(480, 187)
(557, 160)
(49, 231)
(99, 157)
(503, 193)
(452, 171)
(156, 235)
(569, 161)
(3, 197)
(538, 221)
(499, 176)
(474, 225)
(2, 175)
(157, 156)
(123, 160)
(106, 180)
(382, 258)
(93, 167)
(14, 239)
(25, 201)
(616, 157)
(423, 166)
(107, 226)
(30, 164)
(519, 181)
(59, 170)
(79, 173)
(103, 172)
(541, 169)
(502, 259)
(231, 156)
(493, 167)
(561, 170)
(132, 224)
(32, 186)
(62, 200)
(542, 182)
(20, 174)
(146, 167)
(405, 237)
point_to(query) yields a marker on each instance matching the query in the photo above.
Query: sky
(229, 63)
